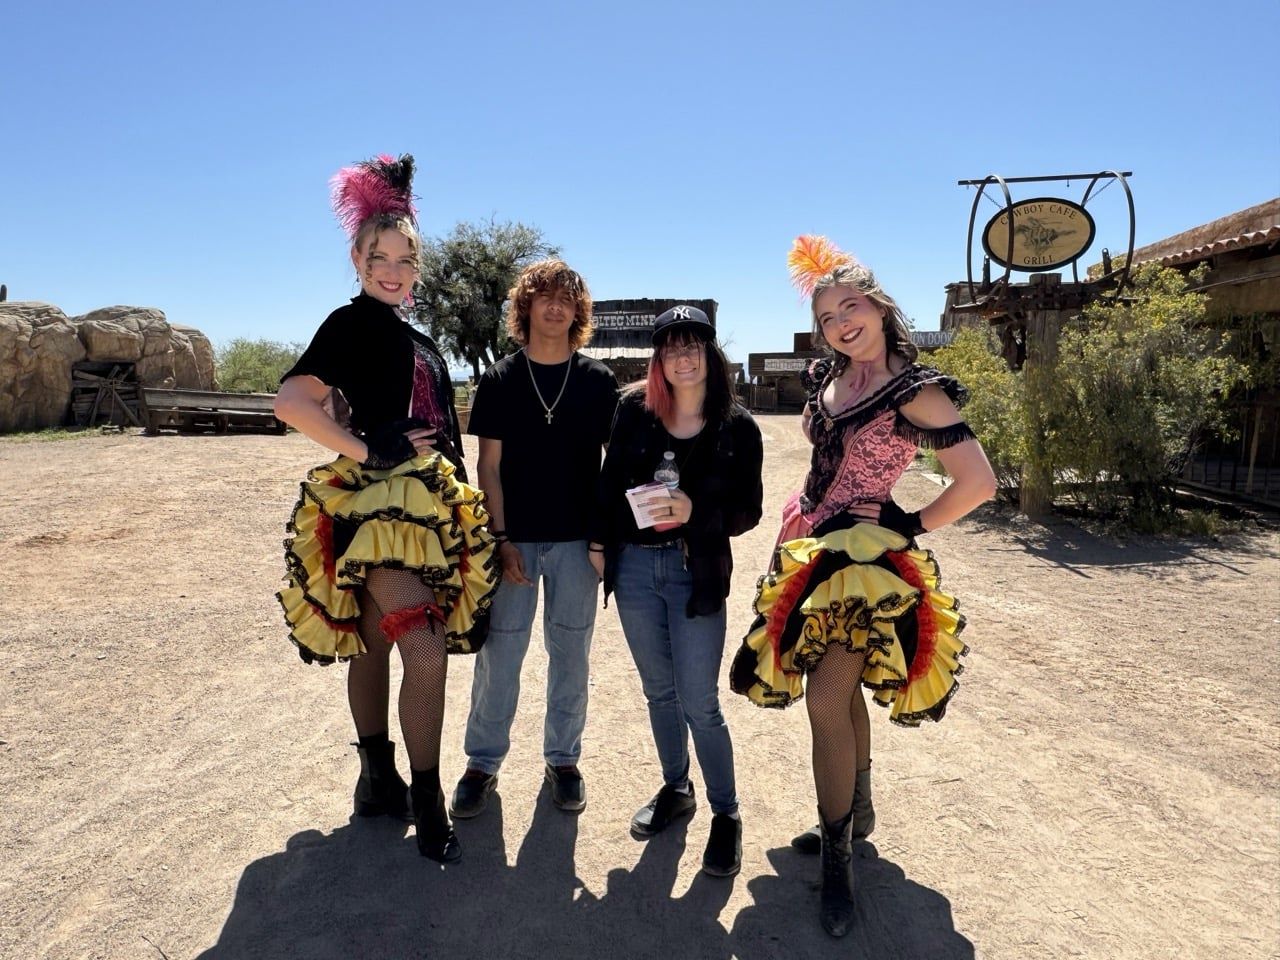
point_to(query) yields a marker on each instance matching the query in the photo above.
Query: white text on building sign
(624, 321)
(784, 364)
(931, 338)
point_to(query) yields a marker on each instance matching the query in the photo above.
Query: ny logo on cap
(681, 313)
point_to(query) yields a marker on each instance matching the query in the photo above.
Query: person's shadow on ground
(363, 891)
(895, 918)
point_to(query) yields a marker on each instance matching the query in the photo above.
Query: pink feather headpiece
(373, 188)
(812, 258)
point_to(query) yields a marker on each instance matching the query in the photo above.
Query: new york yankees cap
(683, 317)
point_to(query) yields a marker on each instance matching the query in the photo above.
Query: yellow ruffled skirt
(864, 589)
(417, 516)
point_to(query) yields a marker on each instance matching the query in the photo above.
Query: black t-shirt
(719, 472)
(548, 470)
(693, 458)
(386, 370)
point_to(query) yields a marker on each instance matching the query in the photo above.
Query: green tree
(253, 366)
(464, 282)
(997, 403)
(1139, 384)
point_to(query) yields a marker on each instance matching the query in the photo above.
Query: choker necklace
(534, 380)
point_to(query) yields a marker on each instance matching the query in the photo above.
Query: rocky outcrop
(39, 344)
(197, 367)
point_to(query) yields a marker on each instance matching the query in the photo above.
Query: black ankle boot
(864, 813)
(380, 791)
(436, 839)
(837, 876)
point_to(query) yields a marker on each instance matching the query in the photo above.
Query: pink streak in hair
(360, 192)
(657, 392)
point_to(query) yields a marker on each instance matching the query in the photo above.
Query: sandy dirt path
(177, 783)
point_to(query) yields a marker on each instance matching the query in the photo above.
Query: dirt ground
(178, 784)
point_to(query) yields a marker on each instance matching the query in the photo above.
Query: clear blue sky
(176, 155)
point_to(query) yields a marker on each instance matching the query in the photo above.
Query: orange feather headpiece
(812, 258)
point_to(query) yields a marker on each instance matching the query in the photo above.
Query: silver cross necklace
(534, 380)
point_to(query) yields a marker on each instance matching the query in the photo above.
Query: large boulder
(139, 334)
(38, 345)
(193, 359)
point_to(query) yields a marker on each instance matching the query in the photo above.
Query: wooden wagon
(190, 411)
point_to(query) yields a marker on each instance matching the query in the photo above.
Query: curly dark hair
(543, 277)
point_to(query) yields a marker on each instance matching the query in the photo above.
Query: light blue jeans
(570, 594)
(678, 658)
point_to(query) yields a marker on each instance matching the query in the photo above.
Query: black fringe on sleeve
(937, 438)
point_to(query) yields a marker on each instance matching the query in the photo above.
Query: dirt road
(177, 783)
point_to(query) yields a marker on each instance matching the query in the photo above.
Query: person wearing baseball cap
(671, 574)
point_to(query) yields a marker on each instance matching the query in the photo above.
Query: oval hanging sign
(1047, 233)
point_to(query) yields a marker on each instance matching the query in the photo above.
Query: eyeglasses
(689, 351)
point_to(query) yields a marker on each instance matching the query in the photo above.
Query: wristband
(893, 517)
(595, 549)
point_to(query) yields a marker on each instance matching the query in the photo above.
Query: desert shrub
(254, 366)
(1139, 383)
(996, 410)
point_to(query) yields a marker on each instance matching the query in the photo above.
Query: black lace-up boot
(436, 839)
(837, 876)
(380, 791)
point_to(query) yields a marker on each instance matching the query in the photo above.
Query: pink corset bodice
(859, 453)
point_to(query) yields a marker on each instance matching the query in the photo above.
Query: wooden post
(1253, 448)
(1036, 495)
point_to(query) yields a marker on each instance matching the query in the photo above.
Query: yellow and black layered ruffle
(417, 516)
(863, 588)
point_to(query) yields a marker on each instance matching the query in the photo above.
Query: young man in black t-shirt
(543, 416)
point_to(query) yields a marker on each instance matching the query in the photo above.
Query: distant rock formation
(39, 343)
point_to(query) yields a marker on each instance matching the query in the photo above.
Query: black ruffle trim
(814, 375)
(922, 377)
(433, 480)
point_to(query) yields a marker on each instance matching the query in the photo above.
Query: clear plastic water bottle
(667, 474)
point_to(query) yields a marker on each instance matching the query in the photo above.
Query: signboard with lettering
(785, 364)
(931, 339)
(629, 323)
(1047, 233)
(623, 321)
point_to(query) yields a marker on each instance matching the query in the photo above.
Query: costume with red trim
(837, 580)
(419, 515)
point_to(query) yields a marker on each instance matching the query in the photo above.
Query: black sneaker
(568, 792)
(723, 856)
(472, 793)
(666, 805)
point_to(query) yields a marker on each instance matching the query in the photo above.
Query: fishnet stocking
(368, 675)
(831, 689)
(861, 727)
(422, 651)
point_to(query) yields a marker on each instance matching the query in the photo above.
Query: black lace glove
(388, 446)
(893, 517)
